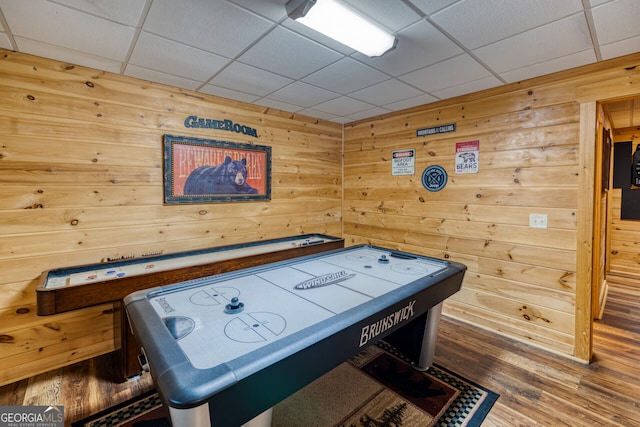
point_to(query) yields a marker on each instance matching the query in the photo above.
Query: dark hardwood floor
(536, 388)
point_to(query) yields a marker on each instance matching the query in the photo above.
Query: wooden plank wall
(624, 235)
(521, 281)
(81, 180)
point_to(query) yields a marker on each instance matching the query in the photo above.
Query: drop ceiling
(249, 50)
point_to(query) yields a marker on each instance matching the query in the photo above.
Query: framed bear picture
(205, 170)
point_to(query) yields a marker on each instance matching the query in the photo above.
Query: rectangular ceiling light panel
(337, 21)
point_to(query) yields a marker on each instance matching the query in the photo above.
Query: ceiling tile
(450, 73)
(317, 114)
(375, 111)
(386, 92)
(160, 77)
(429, 7)
(468, 87)
(155, 53)
(125, 12)
(478, 23)
(418, 46)
(65, 27)
(207, 25)
(229, 93)
(392, 15)
(618, 20)
(274, 10)
(247, 79)
(5, 43)
(410, 102)
(302, 95)
(551, 66)
(272, 103)
(564, 37)
(342, 120)
(620, 48)
(289, 54)
(344, 76)
(343, 106)
(70, 56)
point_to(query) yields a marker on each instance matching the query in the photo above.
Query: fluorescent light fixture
(337, 21)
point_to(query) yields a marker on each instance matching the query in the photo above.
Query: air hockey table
(223, 350)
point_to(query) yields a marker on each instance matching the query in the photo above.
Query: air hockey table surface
(211, 342)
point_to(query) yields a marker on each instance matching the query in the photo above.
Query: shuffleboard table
(71, 288)
(223, 350)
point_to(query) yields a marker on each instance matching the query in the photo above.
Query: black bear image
(467, 157)
(229, 177)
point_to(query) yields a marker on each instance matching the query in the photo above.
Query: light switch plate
(538, 220)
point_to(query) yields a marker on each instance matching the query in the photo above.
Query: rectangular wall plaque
(205, 170)
(434, 130)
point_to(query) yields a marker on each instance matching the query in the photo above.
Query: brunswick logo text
(371, 331)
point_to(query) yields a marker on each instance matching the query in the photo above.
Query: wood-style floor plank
(83, 388)
(540, 388)
(536, 388)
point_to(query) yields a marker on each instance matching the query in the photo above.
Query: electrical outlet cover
(538, 220)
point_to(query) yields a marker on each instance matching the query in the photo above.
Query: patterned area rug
(376, 388)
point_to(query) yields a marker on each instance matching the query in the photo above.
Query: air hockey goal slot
(179, 326)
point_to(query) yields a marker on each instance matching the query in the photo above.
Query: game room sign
(226, 124)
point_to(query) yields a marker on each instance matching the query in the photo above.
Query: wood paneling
(480, 211)
(537, 155)
(81, 181)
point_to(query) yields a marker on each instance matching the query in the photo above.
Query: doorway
(593, 218)
(616, 254)
(623, 198)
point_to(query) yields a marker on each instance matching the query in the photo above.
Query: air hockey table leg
(429, 338)
(262, 420)
(200, 417)
(196, 417)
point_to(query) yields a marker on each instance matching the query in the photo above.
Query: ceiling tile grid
(250, 51)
